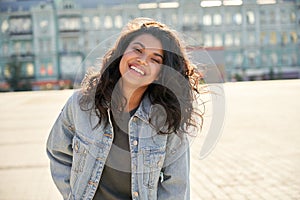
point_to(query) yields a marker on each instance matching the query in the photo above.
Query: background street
(257, 156)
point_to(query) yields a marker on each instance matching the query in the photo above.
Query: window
(29, 70)
(7, 73)
(96, 22)
(238, 59)
(274, 58)
(4, 26)
(294, 59)
(264, 40)
(251, 38)
(217, 19)
(20, 25)
(218, 40)
(86, 22)
(273, 38)
(237, 39)
(46, 67)
(284, 38)
(286, 59)
(262, 17)
(207, 21)
(228, 18)
(5, 49)
(265, 60)
(250, 17)
(251, 59)
(118, 21)
(174, 19)
(293, 36)
(42, 70)
(272, 17)
(186, 19)
(50, 69)
(228, 39)
(17, 47)
(283, 16)
(108, 22)
(293, 17)
(237, 18)
(208, 40)
(69, 24)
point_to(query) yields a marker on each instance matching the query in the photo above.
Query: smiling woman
(140, 65)
(123, 135)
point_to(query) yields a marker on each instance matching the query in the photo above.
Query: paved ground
(257, 157)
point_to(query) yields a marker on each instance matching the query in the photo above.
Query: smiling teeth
(137, 70)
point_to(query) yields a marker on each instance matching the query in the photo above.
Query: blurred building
(43, 43)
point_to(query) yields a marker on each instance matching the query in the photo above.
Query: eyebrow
(143, 46)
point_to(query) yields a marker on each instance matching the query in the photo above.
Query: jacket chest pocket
(80, 151)
(153, 162)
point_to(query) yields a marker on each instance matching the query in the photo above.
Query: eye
(137, 50)
(156, 60)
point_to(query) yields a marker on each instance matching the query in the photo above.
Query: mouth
(139, 71)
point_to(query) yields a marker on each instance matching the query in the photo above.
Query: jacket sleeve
(174, 183)
(59, 149)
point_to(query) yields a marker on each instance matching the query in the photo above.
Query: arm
(59, 150)
(175, 183)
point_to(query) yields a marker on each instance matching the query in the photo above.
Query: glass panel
(228, 18)
(237, 39)
(118, 21)
(29, 69)
(272, 17)
(273, 38)
(250, 17)
(283, 16)
(17, 47)
(207, 40)
(251, 38)
(228, 39)
(217, 19)
(4, 26)
(218, 40)
(294, 37)
(108, 23)
(274, 58)
(237, 18)
(263, 19)
(96, 22)
(285, 38)
(207, 20)
(86, 22)
(50, 69)
(5, 49)
(293, 17)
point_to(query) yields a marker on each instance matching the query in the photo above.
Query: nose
(142, 60)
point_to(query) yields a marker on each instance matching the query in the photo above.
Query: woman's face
(141, 61)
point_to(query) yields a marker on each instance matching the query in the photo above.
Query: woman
(123, 135)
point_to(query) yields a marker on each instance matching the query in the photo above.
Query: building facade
(47, 44)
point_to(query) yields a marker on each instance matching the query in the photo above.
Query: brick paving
(257, 156)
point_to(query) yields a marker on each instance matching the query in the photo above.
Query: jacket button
(134, 119)
(135, 142)
(135, 194)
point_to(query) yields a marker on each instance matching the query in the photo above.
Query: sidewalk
(257, 156)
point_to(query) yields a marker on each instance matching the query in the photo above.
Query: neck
(133, 96)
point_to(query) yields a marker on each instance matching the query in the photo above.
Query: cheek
(156, 71)
(123, 65)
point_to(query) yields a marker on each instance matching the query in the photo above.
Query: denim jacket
(78, 152)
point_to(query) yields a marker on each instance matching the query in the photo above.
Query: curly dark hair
(177, 101)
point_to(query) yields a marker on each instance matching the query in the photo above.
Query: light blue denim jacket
(78, 151)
